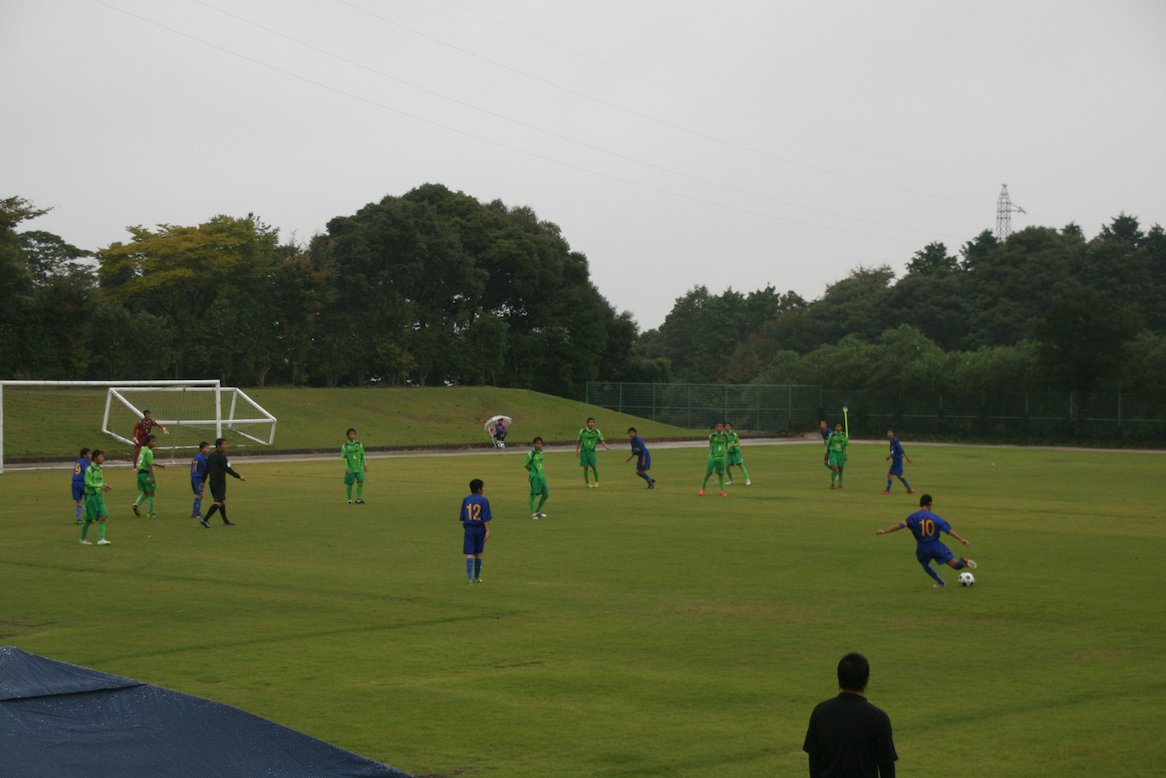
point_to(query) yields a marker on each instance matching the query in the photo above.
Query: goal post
(47, 421)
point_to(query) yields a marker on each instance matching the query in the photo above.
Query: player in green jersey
(352, 452)
(538, 481)
(718, 446)
(95, 489)
(589, 437)
(146, 481)
(835, 457)
(733, 456)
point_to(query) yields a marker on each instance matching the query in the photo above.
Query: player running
(926, 527)
(897, 456)
(589, 438)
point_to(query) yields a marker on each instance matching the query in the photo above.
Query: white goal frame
(115, 391)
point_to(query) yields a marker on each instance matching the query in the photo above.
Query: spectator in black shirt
(848, 736)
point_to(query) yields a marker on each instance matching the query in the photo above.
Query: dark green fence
(1095, 417)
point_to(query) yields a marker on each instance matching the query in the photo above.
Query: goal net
(49, 421)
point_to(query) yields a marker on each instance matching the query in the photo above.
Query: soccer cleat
(939, 586)
(723, 494)
(204, 522)
(477, 580)
(534, 516)
(153, 515)
(136, 511)
(885, 491)
(970, 563)
(350, 502)
(360, 502)
(104, 542)
(542, 515)
(651, 484)
(748, 482)
(729, 483)
(700, 493)
(910, 491)
(78, 521)
(228, 523)
(87, 542)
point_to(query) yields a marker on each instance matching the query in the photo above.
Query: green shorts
(836, 459)
(94, 506)
(587, 458)
(145, 483)
(352, 477)
(716, 465)
(734, 458)
(538, 484)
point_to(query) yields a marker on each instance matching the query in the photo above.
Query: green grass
(37, 421)
(633, 632)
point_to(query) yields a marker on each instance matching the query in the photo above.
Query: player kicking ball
(926, 527)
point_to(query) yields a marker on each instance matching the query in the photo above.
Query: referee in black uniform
(217, 470)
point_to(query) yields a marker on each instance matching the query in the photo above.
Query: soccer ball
(967, 579)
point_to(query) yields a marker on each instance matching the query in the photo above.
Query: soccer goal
(46, 421)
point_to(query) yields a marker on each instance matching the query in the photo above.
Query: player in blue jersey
(824, 431)
(896, 457)
(84, 460)
(197, 484)
(643, 457)
(475, 518)
(926, 527)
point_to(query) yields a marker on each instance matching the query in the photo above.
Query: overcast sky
(736, 143)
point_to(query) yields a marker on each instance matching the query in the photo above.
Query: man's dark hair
(925, 501)
(590, 418)
(219, 442)
(151, 437)
(476, 486)
(202, 444)
(84, 451)
(97, 452)
(350, 429)
(853, 672)
(632, 429)
(537, 440)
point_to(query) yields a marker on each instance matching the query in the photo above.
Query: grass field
(633, 632)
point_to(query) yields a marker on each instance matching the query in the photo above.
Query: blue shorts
(644, 463)
(78, 491)
(197, 487)
(925, 552)
(475, 540)
(896, 467)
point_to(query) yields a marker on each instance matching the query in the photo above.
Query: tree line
(434, 287)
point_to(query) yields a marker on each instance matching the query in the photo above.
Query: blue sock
(78, 507)
(888, 484)
(905, 484)
(960, 564)
(645, 476)
(197, 509)
(477, 568)
(469, 568)
(933, 574)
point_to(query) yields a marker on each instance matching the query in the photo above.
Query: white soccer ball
(967, 579)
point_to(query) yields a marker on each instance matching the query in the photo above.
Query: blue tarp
(59, 719)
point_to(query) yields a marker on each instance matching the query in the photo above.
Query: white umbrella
(491, 424)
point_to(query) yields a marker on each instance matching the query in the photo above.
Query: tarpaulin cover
(59, 719)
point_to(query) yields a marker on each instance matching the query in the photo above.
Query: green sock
(542, 501)
(360, 490)
(745, 470)
(348, 491)
(706, 481)
(85, 529)
(138, 501)
(585, 476)
(101, 529)
(532, 511)
(150, 500)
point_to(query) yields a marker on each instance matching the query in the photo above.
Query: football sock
(596, 472)
(646, 477)
(197, 507)
(477, 568)
(469, 568)
(888, 485)
(960, 564)
(745, 470)
(585, 476)
(532, 511)
(211, 512)
(704, 485)
(933, 574)
(223, 511)
(150, 502)
(138, 501)
(78, 513)
(360, 490)
(542, 501)
(348, 491)
(85, 529)
(101, 529)
(905, 484)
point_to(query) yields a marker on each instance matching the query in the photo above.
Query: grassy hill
(55, 423)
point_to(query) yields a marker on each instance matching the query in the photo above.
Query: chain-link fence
(1113, 417)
